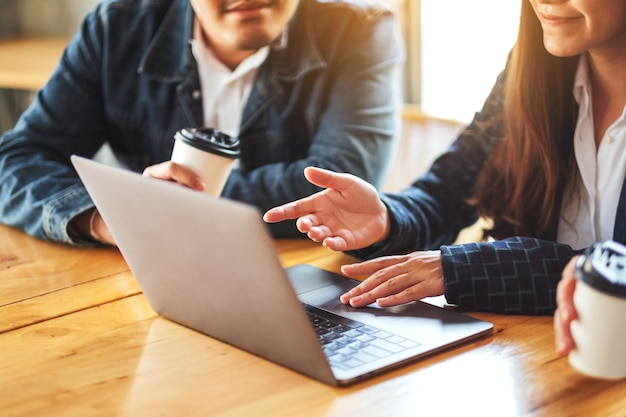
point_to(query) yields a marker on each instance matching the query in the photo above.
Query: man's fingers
(171, 171)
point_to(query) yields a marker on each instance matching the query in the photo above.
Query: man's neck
(231, 58)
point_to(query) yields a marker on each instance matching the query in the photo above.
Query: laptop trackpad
(306, 278)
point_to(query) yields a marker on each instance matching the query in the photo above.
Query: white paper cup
(600, 330)
(209, 153)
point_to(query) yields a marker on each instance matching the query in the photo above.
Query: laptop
(211, 265)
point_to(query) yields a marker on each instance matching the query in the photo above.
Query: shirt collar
(582, 87)
(168, 56)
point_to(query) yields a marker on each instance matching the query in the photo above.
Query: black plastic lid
(210, 140)
(603, 267)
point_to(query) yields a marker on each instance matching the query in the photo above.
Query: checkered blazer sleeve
(517, 275)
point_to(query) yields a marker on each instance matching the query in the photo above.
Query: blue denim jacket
(330, 98)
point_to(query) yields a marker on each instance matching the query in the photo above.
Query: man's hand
(180, 174)
(90, 224)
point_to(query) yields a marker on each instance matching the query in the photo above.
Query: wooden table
(27, 63)
(77, 338)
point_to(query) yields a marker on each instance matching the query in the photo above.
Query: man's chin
(255, 41)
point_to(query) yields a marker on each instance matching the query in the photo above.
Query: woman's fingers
(314, 203)
(292, 210)
(328, 179)
(395, 280)
(565, 312)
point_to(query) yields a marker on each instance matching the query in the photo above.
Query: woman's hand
(347, 215)
(565, 312)
(395, 280)
(180, 174)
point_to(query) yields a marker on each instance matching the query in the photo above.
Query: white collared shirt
(224, 92)
(588, 213)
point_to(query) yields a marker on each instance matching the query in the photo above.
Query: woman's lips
(553, 19)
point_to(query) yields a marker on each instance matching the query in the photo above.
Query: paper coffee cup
(599, 331)
(209, 153)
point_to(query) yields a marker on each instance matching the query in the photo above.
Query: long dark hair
(518, 186)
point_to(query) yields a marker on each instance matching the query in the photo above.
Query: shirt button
(195, 95)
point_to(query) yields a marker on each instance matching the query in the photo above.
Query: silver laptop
(210, 264)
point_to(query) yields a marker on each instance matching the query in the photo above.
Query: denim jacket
(517, 275)
(329, 98)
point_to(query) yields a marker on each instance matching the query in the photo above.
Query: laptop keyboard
(348, 343)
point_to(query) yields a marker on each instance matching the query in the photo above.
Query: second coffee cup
(208, 152)
(600, 302)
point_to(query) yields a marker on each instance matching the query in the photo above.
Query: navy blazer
(517, 275)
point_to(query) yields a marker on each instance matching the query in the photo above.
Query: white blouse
(589, 209)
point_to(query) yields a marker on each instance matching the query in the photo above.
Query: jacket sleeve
(39, 190)
(518, 275)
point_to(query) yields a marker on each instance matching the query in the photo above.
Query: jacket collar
(169, 57)
(289, 62)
